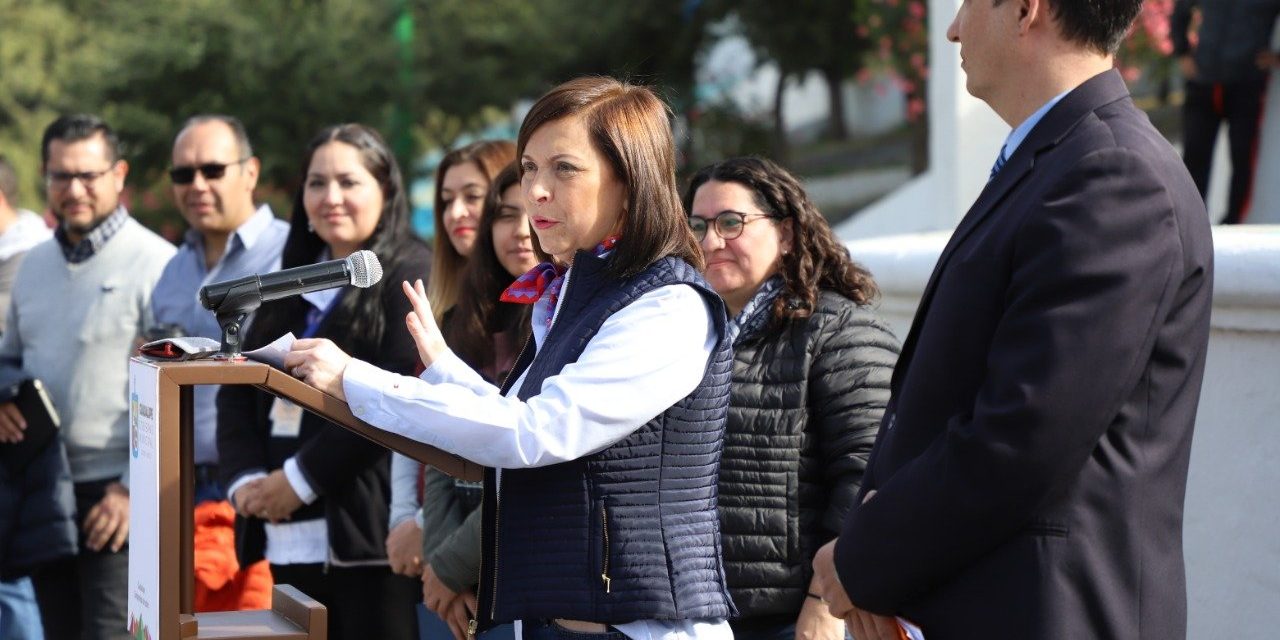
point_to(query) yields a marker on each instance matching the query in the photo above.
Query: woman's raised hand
(422, 325)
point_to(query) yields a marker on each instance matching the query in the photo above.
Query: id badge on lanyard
(285, 416)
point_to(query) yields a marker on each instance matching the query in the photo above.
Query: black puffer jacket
(805, 406)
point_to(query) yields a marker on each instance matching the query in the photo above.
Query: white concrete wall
(1232, 529)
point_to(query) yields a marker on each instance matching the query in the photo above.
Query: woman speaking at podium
(312, 496)
(600, 510)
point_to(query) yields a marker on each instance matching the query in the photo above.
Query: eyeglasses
(210, 171)
(61, 180)
(728, 224)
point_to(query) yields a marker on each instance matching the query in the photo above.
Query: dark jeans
(548, 630)
(1206, 108)
(363, 602)
(764, 628)
(433, 627)
(207, 487)
(85, 596)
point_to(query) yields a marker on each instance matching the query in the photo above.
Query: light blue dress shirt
(1021, 132)
(253, 248)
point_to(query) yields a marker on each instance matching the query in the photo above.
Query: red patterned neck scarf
(547, 277)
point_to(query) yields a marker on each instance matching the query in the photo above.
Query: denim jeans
(432, 627)
(19, 614)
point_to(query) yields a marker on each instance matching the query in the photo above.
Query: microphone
(361, 269)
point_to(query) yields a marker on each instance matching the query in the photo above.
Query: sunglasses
(210, 171)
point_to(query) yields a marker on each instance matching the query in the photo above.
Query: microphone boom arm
(233, 309)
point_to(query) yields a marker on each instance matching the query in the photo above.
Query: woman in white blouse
(600, 517)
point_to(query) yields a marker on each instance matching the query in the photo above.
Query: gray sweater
(74, 326)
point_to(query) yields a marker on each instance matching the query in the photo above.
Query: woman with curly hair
(812, 362)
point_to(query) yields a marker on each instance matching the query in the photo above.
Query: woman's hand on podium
(320, 363)
(422, 324)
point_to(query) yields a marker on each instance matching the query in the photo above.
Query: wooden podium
(292, 614)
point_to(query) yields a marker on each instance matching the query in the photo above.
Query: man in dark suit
(1029, 474)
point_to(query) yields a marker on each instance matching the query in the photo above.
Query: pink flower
(915, 109)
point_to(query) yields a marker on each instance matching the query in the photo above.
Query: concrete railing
(1232, 529)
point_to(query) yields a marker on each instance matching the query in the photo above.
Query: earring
(311, 228)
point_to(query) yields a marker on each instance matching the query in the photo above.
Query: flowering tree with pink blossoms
(899, 32)
(1145, 52)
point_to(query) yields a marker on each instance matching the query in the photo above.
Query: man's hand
(869, 626)
(816, 622)
(461, 613)
(404, 549)
(274, 499)
(1188, 66)
(862, 624)
(827, 584)
(435, 594)
(320, 363)
(107, 523)
(12, 424)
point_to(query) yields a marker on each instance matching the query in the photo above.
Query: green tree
(284, 68)
(803, 36)
(40, 45)
(481, 57)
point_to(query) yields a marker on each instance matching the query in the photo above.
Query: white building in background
(1232, 526)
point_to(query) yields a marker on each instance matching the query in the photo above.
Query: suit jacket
(1031, 466)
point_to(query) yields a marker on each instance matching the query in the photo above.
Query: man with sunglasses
(214, 174)
(78, 305)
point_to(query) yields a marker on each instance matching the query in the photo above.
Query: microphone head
(365, 269)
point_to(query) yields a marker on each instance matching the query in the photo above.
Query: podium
(161, 581)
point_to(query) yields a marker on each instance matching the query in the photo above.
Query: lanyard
(316, 316)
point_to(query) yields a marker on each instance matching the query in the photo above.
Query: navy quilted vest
(630, 533)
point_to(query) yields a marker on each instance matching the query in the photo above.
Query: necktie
(995, 168)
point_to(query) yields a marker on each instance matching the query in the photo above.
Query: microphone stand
(232, 311)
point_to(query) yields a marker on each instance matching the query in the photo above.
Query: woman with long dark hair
(812, 362)
(312, 497)
(487, 334)
(462, 182)
(463, 178)
(599, 512)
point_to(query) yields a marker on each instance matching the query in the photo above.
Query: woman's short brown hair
(631, 127)
(817, 260)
